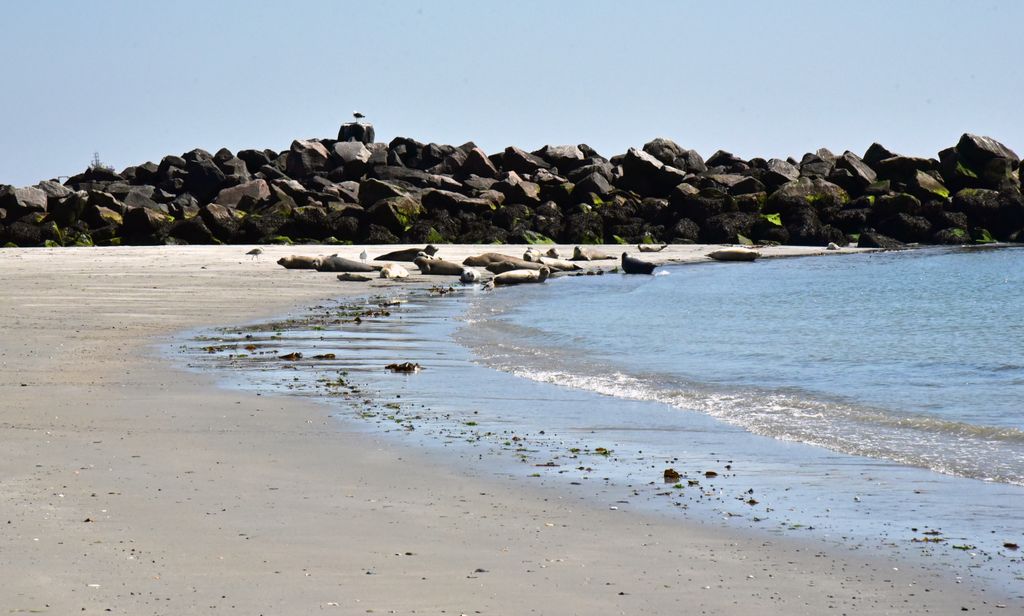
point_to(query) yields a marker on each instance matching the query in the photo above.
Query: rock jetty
(354, 190)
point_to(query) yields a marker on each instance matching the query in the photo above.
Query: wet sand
(129, 485)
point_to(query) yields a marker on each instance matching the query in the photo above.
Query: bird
(363, 256)
(357, 115)
(255, 253)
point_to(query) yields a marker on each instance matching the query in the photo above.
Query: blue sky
(138, 80)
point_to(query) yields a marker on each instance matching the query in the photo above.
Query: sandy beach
(129, 485)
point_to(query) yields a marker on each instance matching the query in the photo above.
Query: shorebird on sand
(255, 253)
(363, 256)
(357, 115)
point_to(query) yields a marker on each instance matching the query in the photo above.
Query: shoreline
(158, 493)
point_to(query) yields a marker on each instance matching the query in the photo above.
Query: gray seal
(438, 267)
(334, 263)
(521, 277)
(632, 265)
(299, 262)
(408, 254)
(589, 254)
(734, 254)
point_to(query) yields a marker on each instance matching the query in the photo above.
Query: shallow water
(610, 401)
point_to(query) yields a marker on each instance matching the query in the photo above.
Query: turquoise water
(912, 357)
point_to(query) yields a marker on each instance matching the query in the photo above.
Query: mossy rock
(982, 236)
(744, 240)
(278, 239)
(532, 237)
(51, 244)
(775, 219)
(10, 245)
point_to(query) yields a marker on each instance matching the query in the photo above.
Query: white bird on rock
(363, 256)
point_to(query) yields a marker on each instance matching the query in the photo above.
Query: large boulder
(727, 228)
(685, 231)
(907, 228)
(396, 214)
(477, 163)
(671, 154)
(806, 229)
(648, 176)
(372, 190)
(816, 193)
(778, 172)
(21, 201)
(452, 202)
(979, 162)
(356, 131)
(518, 190)
(861, 173)
(192, 231)
(256, 190)
(224, 222)
(584, 227)
(306, 158)
(869, 238)
(203, 178)
(564, 157)
(144, 226)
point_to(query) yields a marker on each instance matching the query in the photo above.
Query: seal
(651, 247)
(299, 262)
(589, 254)
(334, 263)
(734, 254)
(408, 254)
(438, 267)
(553, 253)
(393, 270)
(469, 275)
(532, 255)
(632, 265)
(351, 277)
(560, 265)
(499, 267)
(521, 277)
(485, 259)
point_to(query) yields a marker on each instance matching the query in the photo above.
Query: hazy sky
(136, 80)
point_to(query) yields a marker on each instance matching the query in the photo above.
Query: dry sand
(130, 486)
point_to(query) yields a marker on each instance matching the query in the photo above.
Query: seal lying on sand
(299, 262)
(409, 254)
(499, 267)
(469, 275)
(651, 247)
(734, 254)
(589, 254)
(560, 265)
(334, 263)
(532, 255)
(438, 267)
(553, 253)
(393, 270)
(485, 259)
(632, 265)
(521, 277)
(350, 277)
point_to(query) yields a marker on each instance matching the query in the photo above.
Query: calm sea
(916, 358)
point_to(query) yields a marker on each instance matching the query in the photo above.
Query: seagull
(255, 253)
(363, 256)
(357, 115)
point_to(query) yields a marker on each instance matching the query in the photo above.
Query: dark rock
(977, 151)
(862, 174)
(981, 206)
(21, 201)
(685, 231)
(371, 191)
(255, 159)
(805, 192)
(203, 178)
(595, 183)
(778, 172)
(586, 227)
(522, 162)
(453, 202)
(70, 209)
(192, 231)
(869, 238)
(925, 186)
(396, 214)
(356, 131)
(647, 175)
(517, 190)
(890, 205)
(902, 168)
(563, 157)
(875, 154)
(765, 230)
(906, 228)
(54, 190)
(143, 225)
(308, 222)
(951, 236)
(806, 229)
(512, 216)
(478, 164)
(851, 220)
(256, 190)
(726, 160)
(814, 166)
(726, 228)
(222, 221)
(306, 158)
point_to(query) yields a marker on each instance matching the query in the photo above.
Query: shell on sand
(734, 254)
